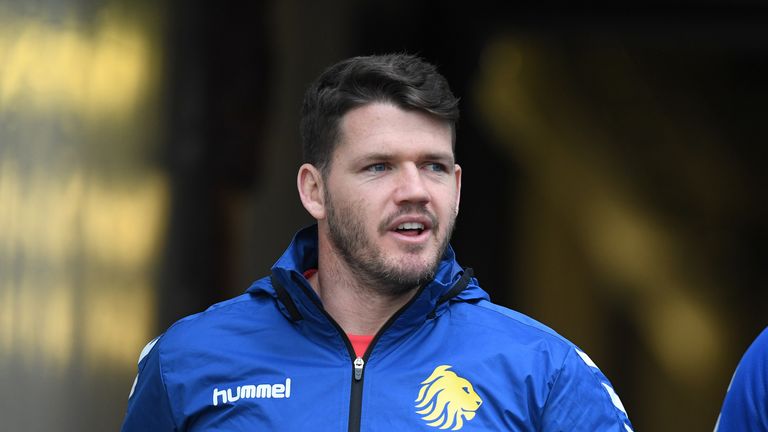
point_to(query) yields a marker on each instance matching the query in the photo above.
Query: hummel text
(258, 391)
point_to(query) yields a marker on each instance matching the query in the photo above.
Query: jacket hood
(298, 300)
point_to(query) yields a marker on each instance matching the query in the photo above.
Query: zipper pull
(358, 364)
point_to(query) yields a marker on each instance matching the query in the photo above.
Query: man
(367, 321)
(745, 407)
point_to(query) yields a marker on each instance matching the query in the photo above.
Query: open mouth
(410, 228)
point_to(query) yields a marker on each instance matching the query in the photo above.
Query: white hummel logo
(258, 391)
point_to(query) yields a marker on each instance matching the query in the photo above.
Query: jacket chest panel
(282, 396)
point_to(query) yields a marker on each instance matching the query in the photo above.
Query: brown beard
(347, 234)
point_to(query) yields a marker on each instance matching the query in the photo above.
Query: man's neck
(357, 307)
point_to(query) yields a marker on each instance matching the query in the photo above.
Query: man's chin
(401, 285)
(409, 275)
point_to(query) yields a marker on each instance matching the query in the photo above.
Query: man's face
(392, 195)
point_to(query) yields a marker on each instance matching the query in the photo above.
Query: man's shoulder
(219, 323)
(759, 348)
(752, 366)
(513, 327)
(539, 351)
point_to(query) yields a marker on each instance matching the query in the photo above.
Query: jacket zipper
(358, 366)
(356, 395)
(358, 363)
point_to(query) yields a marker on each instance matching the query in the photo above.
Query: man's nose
(411, 186)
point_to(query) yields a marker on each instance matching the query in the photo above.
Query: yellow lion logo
(446, 399)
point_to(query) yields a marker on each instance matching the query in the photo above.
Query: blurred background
(614, 171)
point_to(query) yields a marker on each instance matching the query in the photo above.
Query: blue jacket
(273, 359)
(745, 407)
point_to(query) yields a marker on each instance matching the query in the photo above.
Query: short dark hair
(405, 80)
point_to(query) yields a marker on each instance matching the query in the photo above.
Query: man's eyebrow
(383, 156)
(444, 157)
(374, 156)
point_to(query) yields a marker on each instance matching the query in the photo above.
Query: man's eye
(379, 167)
(437, 167)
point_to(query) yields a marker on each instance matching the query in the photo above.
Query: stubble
(387, 275)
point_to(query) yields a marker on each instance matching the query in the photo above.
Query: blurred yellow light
(639, 257)
(78, 245)
(98, 73)
(105, 236)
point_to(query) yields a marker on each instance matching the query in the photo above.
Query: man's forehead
(384, 128)
(360, 151)
(383, 108)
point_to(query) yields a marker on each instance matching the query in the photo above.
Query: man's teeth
(411, 226)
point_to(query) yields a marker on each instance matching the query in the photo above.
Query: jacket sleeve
(745, 407)
(582, 399)
(148, 403)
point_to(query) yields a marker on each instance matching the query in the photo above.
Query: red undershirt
(359, 342)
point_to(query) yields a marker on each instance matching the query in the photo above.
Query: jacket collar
(298, 301)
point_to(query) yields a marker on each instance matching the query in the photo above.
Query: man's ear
(457, 173)
(310, 184)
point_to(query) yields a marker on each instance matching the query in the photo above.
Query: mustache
(412, 209)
